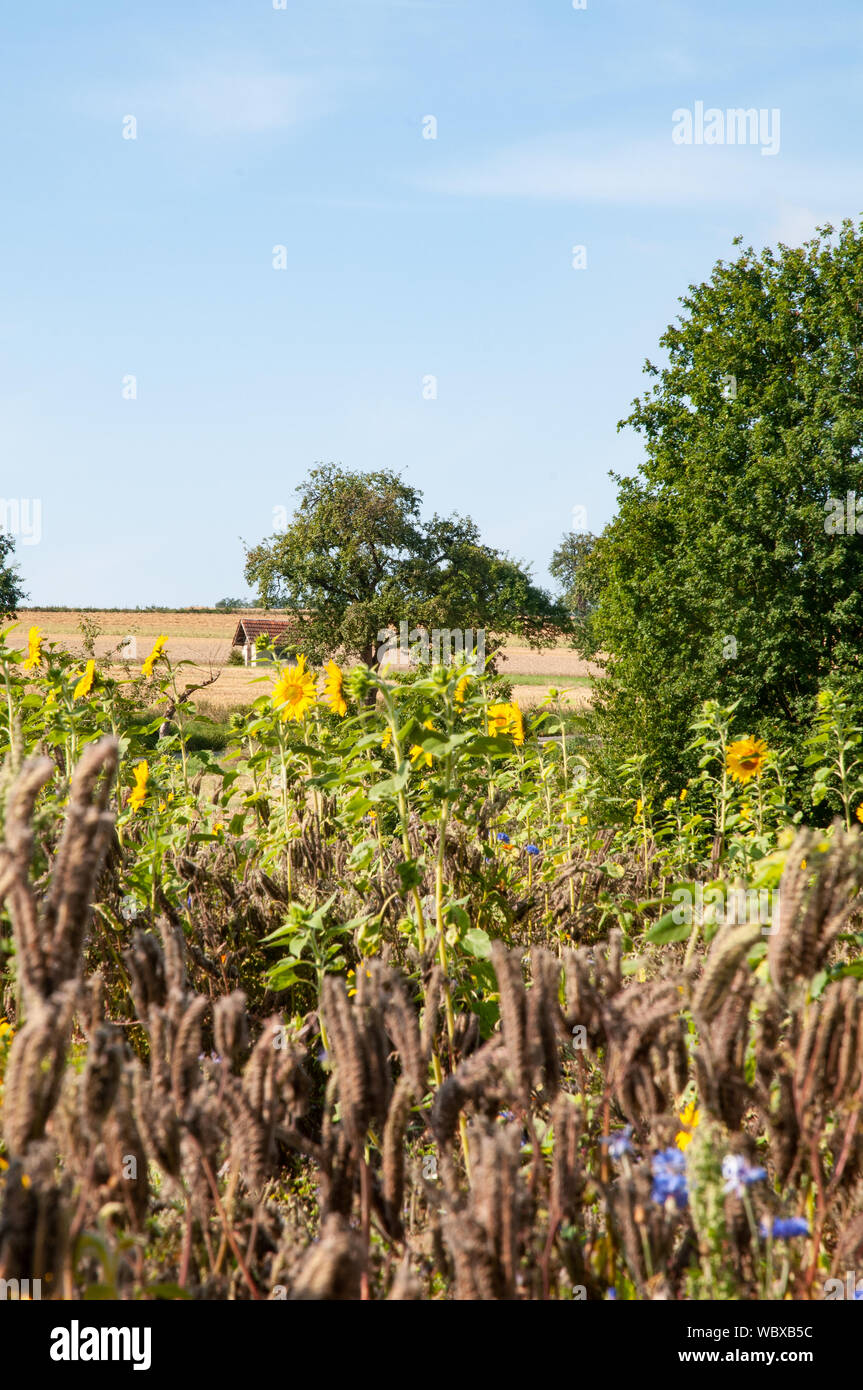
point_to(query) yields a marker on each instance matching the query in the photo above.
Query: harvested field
(200, 636)
(204, 638)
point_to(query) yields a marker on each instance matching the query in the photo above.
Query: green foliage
(719, 576)
(569, 567)
(314, 944)
(835, 745)
(11, 592)
(358, 556)
(404, 830)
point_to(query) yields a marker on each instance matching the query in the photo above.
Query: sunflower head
(155, 654)
(506, 719)
(745, 758)
(85, 683)
(517, 725)
(461, 689)
(34, 649)
(417, 752)
(294, 692)
(333, 689)
(139, 791)
(689, 1118)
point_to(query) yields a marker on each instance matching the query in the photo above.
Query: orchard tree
(568, 565)
(11, 592)
(358, 556)
(726, 572)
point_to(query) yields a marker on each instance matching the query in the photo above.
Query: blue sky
(406, 257)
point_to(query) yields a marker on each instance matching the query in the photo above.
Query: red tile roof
(250, 628)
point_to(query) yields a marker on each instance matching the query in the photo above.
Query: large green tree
(568, 565)
(358, 556)
(11, 592)
(724, 572)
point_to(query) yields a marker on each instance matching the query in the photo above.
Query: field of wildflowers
(398, 996)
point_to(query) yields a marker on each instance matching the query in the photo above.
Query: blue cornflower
(505, 1115)
(858, 1294)
(669, 1177)
(531, 849)
(502, 839)
(786, 1228)
(611, 1294)
(618, 1143)
(738, 1173)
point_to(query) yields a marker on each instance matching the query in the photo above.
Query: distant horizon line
(139, 608)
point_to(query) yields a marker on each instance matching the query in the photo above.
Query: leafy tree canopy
(11, 592)
(568, 566)
(724, 573)
(358, 556)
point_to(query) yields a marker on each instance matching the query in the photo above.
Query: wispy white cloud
(219, 97)
(221, 101)
(598, 169)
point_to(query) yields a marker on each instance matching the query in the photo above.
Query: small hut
(279, 631)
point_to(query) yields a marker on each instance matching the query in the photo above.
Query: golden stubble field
(204, 638)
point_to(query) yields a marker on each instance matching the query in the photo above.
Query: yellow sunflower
(85, 684)
(418, 753)
(139, 792)
(745, 758)
(158, 650)
(461, 690)
(34, 649)
(517, 725)
(859, 812)
(506, 719)
(333, 689)
(294, 692)
(689, 1118)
